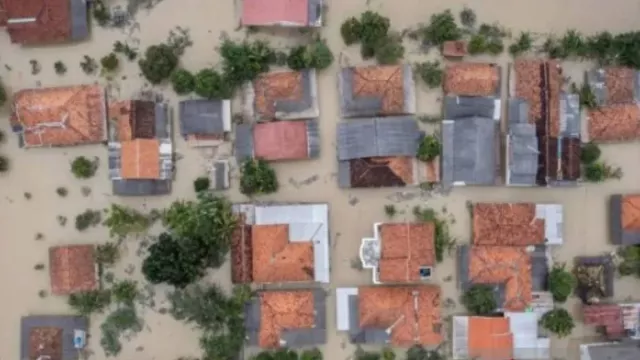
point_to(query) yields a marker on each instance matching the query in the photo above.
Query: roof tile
(281, 310)
(45, 343)
(381, 171)
(507, 224)
(281, 140)
(619, 122)
(269, 12)
(52, 24)
(381, 81)
(140, 159)
(490, 338)
(405, 249)
(631, 212)
(274, 86)
(472, 79)
(276, 259)
(72, 269)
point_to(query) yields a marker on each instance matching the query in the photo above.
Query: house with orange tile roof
(543, 140)
(400, 252)
(278, 140)
(281, 243)
(624, 219)
(286, 318)
(287, 13)
(60, 116)
(282, 95)
(376, 90)
(517, 224)
(51, 337)
(390, 315)
(140, 148)
(512, 336)
(472, 79)
(72, 269)
(617, 94)
(35, 22)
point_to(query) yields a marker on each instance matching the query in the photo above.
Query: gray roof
(357, 335)
(522, 145)
(79, 20)
(596, 79)
(456, 107)
(389, 136)
(314, 11)
(293, 337)
(629, 350)
(220, 175)
(372, 106)
(243, 144)
(136, 187)
(201, 117)
(68, 323)
(570, 122)
(620, 236)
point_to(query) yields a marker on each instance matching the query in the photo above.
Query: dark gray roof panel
(596, 80)
(448, 154)
(522, 155)
(252, 320)
(79, 20)
(570, 115)
(135, 187)
(474, 150)
(358, 335)
(539, 269)
(463, 107)
(68, 323)
(201, 117)
(357, 139)
(389, 136)
(163, 122)
(628, 350)
(344, 174)
(244, 142)
(358, 106)
(517, 112)
(313, 138)
(615, 219)
(463, 267)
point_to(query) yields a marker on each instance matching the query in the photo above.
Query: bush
(390, 210)
(106, 254)
(243, 62)
(88, 218)
(158, 63)
(351, 31)
(210, 84)
(442, 27)
(257, 177)
(443, 240)
(173, 261)
(477, 45)
(558, 321)
(523, 43)
(59, 67)
(62, 191)
(89, 302)
(374, 28)
(561, 283)
(468, 17)
(83, 168)
(201, 184)
(431, 73)
(316, 55)
(429, 148)
(125, 292)
(123, 221)
(590, 153)
(311, 354)
(4, 163)
(183, 81)
(110, 62)
(630, 264)
(88, 65)
(389, 50)
(3, 95)
(596, 172)
(479, 300)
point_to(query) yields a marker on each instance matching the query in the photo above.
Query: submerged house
(543, 123)
(37, 22)
(624, 219)
(280, 244)
(140, 148)
(278, 140)
(51, 336)
(205, 122)
(399, 316)
(72, 269)
(60, 116)
(290, 13)
(472, 79)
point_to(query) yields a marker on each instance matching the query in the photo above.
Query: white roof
(342, 307)
(553, 222)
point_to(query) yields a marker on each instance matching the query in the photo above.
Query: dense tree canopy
(158, 63)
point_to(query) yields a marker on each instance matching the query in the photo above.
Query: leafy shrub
(62, 191)
(59, 67)
(442, 27)
(244, 61)
(123, 48)
(431, 73)
(477, 45)
(590, 153)
(107, 254)
(257, 177)
(88, 65)
(158, 63)
(316, 55)
(523, 43)
(100, 12)
(630, 264)
(374, 27)
(83, 168)
(173, 261)
(429, 148)
(89, 302)
(110, 62)
(561, 283)
(210, 84)
(479, 300)
(4, 163)
(183, 81)
(468, 17)
(311, 354)
(3, 94)
(123, 319)
(558, 321)
(351, 30)
(122, 221)
(125, 292)
(600, 171)
(201, 184)
(87, 219)
(389, 50)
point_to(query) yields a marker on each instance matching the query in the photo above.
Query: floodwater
(352, 212)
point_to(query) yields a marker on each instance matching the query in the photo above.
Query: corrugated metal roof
(456, 107)
(201, 117)
(615, 351)
(344, 174)
(79, 20)
(342, 307)
(389, 136)
(243, 142)
(596, 79)
(460, 338)
(137, 187)
(66, 323)
(313, 138)
(570, 115)
(617, 234)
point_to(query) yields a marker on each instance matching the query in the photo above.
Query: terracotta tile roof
(45, 343)
(60, 116)
(268, 12)
(472, 79)
(631, 212)
(405, 249)
(393, 308)
(381, 171)
(432, 170)
(53, 21)
(280, 310)
(619, 82)
(276, 259)
(608, 316)
(281, 140)
(507, 224)
(503, 265)
(134, 119)
(454, 49)
(72, 269)
(274, 86)
(618, 122)
(381, 81)
(490, 338)
(140, 159)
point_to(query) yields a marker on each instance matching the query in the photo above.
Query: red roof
(281, 140)
(490, 338)
(51, 20)
(608, 316)
(272, 12)
(72, 269)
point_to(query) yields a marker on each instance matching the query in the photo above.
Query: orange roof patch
(507, 224)
(503, 264)
(276, 259)
(631, 212)
(490, 338)
(140, 159)
(472, 79)
(45, 343)
(614, 123)
(280, 310)
(281, 140)
(274, 86)
(72, 269)
(619, 82)
(61, 116)
(381, 81)
(405, 249)
(393, 308)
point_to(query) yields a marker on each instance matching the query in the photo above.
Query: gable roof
(204, 117)
(72, 269)
(60, 116)
(388, 171)
(624, 215)
(378, 90)
(281, 140)
(293, 318)
(46, 21)
(50, 336)
(285, 95)
(619, 122)
(282, 12)
(490, 338)
(472, 79)
(507, 224)
(405, 249)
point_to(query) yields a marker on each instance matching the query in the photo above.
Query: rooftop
(202, 118)
(379, 90)
(472, 79)
(624, 213)
(45, 21)
(390, 171)
(619, 122)
(72, 269)
(454, 49)
(50, 336)
(60, 116)
(285, 95)
(607, 316)
(293, 318)
(281, 243)
(628, 350)
(281, 140)
(614, 85)
(300, 13)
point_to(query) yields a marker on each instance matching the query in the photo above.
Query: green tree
(590, 153)
(442, 27)
(3, 94)
(561, 283)
(83, 168)
(389, 50)
(107, 254)
(558, 321)
(374, 28)
(351, 30)
(110, 62)
(125, 291)
(173, 261)
(123, 221)
(257, 177)
(87, 219)
(311, 354)
(596, 172)
(479, 300)
(183, 81)
(244, 61)
(89, 302)
(201, 184)
(316, 55)
(211, 84)
(429, 148)
(4, 163)
(158, 63)
(431, 73)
